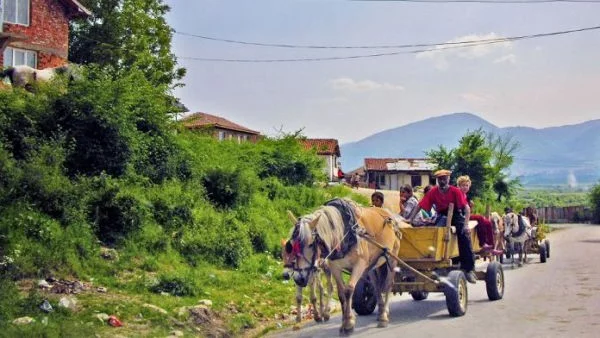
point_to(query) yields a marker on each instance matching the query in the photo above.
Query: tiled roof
(324, 146)
(398, 164)
(200, 120)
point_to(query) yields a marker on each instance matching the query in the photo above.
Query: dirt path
(391, 197)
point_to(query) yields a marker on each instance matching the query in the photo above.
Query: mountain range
(564, 155)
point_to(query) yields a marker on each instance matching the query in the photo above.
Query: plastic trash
(46, 307)
(114, 321)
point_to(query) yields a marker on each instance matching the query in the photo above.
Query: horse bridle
(299, 251)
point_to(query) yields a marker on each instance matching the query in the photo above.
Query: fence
(574, 214)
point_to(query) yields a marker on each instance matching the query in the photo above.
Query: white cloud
(476, 98)
(509, 58)
(441, 55)
(346, 83)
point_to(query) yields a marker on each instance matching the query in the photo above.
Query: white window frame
(28, 53)
(4, 2)
(221, 135)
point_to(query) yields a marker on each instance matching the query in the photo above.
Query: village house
(329, 151)
(36, 32)
(219, 127)
(392, 173)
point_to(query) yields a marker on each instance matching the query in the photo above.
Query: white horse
(24, 76)
(517, 231)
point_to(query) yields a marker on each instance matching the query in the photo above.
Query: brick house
(328, 150)
(392, 173)
(220, 128)
(36, 32)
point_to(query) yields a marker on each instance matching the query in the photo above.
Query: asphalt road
(560, 298)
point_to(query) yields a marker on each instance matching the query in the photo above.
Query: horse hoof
(326, 317)
(382, 324)
(296, 327)
(346, 331)
(318, 319)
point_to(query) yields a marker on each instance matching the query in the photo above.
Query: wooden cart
(427, 261)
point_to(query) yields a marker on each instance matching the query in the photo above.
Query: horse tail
(8, 72)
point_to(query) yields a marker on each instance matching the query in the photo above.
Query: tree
(125, 34)
(595, 201)
(503, 149)
(483, 156)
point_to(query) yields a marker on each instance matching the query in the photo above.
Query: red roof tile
(381, 164)
(200, 120)
(324, 146)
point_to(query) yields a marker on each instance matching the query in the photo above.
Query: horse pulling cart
(425, 261)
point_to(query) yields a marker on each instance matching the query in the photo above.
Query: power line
(449, 45)
(486, 1)
(399, 46)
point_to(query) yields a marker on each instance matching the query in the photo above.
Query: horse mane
(330, 227)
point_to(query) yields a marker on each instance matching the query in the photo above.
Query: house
(219, 127)
(36, 32)
(392, 173)
(328, 150)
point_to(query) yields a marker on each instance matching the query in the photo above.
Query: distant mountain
(558, 155)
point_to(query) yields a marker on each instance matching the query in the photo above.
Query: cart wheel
(363, 299)
(494, 281)
(547, 242)
(543, 253)
(456, 294)
(419, 295)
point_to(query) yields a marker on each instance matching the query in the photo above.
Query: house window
(221, 135)
(16, 11)
(415, 180)
(17, 57)
(381, 179)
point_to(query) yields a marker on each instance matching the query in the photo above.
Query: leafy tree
(595, 200)
(485, 158)
(126, 34)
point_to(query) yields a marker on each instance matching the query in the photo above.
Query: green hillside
(101, 193)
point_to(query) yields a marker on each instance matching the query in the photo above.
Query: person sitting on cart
(441, 196)
(485, 232)
(377, 199)
(408, 201)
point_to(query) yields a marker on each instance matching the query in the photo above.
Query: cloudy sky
(540, 82)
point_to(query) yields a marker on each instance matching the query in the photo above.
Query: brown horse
(325, 230)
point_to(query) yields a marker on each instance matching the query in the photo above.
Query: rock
(200, 314)
(176, 333)
(155, 308)
(162, 293)
(102, 289)
(68, 303)
(103, 317)
(23, 321)
(182, 311)
(206, 302)
(42, 284)
(109, 254)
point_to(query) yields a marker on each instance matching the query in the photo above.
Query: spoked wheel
(494, 281)
(456, 293)
(364, 300)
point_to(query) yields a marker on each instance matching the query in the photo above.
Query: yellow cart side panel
(428, 242)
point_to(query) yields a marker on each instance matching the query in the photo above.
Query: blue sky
(539, 83)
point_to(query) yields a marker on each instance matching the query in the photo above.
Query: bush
(176, 286)
(116, 216)
(595, 202)
(228, 188)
